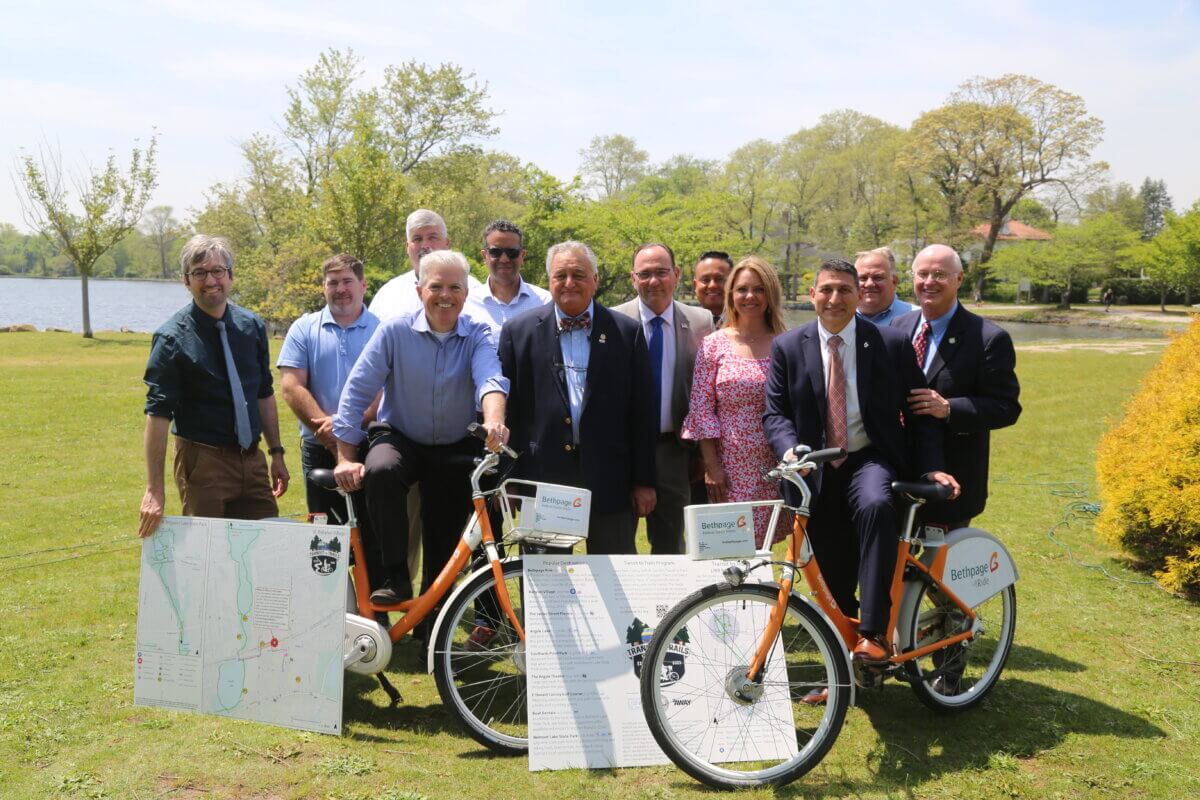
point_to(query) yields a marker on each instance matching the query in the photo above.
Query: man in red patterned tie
(971, 368)
(837, 383)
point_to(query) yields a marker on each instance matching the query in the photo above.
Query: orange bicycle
(767, 675)
(477, 644)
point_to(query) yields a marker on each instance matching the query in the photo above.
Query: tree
(1156, 204)
(163, 230)
(320, 112)
(110, 202)
(1119, 200)
(1079, 255)
(612, 164)
(751, 179)
(1173, 256)
(998, 139)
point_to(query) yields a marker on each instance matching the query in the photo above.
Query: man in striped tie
(837, 383)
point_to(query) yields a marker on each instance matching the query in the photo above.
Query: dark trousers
(664, 525)
(611, 532)
(314, 455)
(394, 463)
(853, 534)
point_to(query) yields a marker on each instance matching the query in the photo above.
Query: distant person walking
(1107, 298)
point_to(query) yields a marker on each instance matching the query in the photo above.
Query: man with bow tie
(971, 368)
(579, 406)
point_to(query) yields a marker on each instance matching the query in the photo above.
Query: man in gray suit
(673, 332)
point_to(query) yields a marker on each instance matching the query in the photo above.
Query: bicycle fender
(973, 564)
(837, 637)
(462, 585)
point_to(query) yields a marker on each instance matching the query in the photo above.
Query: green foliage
(1156, 204)
(1172, 258)
(1148, 467)
(612, 164)
(1139, 291)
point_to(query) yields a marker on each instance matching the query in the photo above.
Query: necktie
(241, 416)
(580, 323)
(921, 344)
(835, 416)
(656, 359)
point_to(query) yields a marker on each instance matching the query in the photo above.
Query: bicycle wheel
(479, 663)
(958, 677)
(720, 728)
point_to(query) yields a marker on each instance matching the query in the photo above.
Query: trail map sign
(243, 619)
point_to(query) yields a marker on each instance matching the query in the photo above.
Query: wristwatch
(276, 451)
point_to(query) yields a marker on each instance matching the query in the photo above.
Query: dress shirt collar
(420, 323)
(668, 315)
(847, 333)
(484, 292)
(202, 317)
(939, 325)
(559, 316)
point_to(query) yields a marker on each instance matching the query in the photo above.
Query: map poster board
(243, 619)
(588, 620)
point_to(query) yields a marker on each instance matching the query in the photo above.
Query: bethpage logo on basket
(637, 639)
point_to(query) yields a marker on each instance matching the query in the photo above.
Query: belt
(232, 449)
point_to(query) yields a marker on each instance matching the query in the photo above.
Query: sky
(698, 77)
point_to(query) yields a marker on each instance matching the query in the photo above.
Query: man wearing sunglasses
(209, 378)
(505, 294)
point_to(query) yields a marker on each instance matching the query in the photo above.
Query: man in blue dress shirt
(437, 369)
(877, 284)
(505, 294)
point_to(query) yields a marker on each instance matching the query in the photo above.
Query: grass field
(1101, 696)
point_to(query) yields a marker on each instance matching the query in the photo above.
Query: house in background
(1012, 232)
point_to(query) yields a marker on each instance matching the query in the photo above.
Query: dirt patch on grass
(1139, 347)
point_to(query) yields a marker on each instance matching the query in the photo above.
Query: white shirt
(856, 432)
(484, 306)
(399, 296)
(665, 424)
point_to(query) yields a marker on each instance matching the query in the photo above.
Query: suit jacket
(974, 368)
(691, 326)
(617, 429)
(886, 372)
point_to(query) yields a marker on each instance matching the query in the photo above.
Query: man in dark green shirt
(210, 373)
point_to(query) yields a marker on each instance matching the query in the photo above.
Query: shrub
(1148, 467)
(1138, 292)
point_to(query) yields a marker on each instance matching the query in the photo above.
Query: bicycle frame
(478, 530)
(800, 554)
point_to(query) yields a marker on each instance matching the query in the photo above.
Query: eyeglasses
(651, 274)
(512, 252)
(938, 276)
(216, 272)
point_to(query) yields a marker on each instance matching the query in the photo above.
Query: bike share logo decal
(994, 562)
(324, 554)
(637, 639)
(721, 525)
(977, 571)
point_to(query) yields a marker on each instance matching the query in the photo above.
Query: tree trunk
(1065, 302)
(87, 316)
(1162, 299)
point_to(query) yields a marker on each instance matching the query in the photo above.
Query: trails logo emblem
(324, 554)
(637, 639)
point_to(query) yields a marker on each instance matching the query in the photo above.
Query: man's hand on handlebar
(349, 475)
(945, 479)
(497, 435)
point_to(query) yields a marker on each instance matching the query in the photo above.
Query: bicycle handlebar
(480, 433)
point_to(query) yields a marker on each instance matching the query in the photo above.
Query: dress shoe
(871, 648)
(392, 593)
(816, 697)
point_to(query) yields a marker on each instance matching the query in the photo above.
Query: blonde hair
(766, 274)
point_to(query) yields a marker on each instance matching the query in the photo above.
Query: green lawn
(1101, 696)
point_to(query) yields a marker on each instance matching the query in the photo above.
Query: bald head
(937, 273)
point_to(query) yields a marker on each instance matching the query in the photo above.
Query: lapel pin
(603, 338)
(866, 345)
(951, 340)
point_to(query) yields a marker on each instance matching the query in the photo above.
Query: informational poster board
(588, 620)
(243, 619)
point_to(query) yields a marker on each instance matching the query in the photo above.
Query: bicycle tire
(482, 684)
(774, 739)
(959, 677)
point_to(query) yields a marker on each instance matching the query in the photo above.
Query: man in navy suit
(839, 382)
(970, 365)
(579, 406)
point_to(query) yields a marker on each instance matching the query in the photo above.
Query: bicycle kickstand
(391, 690)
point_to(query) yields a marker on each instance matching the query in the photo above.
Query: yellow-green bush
(1149, 470)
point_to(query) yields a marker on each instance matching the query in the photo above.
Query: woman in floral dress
(729, 394)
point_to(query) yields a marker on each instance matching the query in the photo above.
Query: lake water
(144, 305)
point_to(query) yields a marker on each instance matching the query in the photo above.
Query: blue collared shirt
(318, 344)
(898, 308)
(486, 307)
(938, 330)
(432, 387)
(576, 349)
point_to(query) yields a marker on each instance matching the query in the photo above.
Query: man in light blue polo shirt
(505, 294)
(877, 284)
(437, 369)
